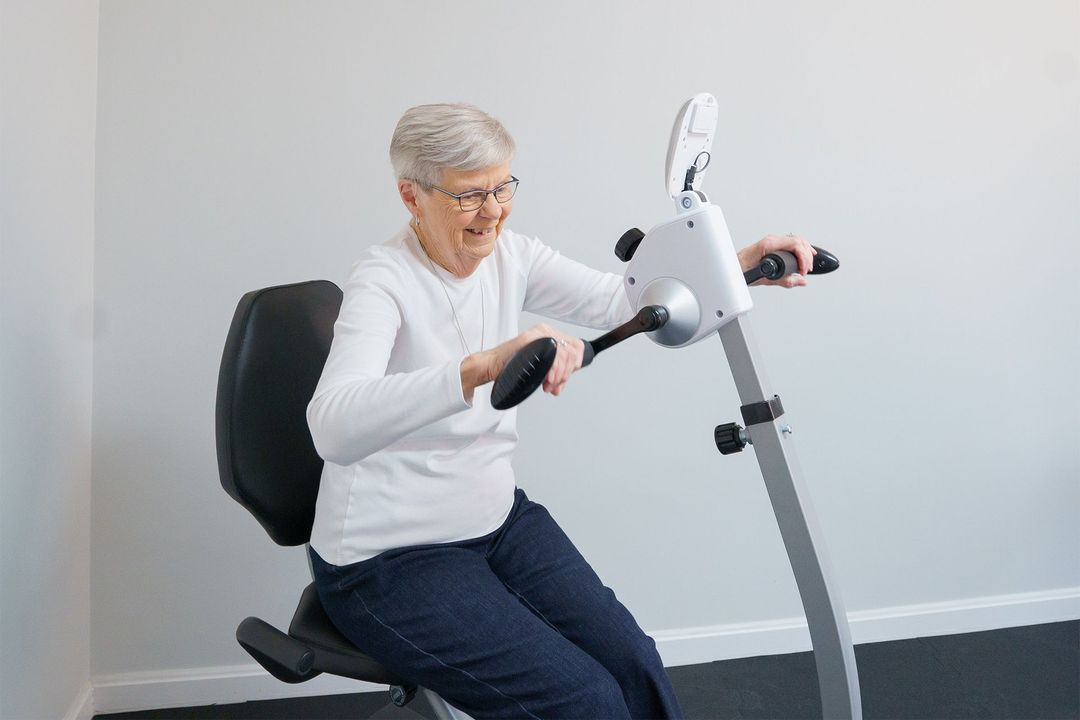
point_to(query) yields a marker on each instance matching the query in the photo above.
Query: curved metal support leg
(834, 654)
(443, 710)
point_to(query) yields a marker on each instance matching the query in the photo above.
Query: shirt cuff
(457, 393)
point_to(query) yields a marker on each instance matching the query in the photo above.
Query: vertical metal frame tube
(834, 653)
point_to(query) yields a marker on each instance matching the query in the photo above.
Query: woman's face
(455, 239)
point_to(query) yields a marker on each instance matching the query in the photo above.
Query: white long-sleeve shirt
(408, 460)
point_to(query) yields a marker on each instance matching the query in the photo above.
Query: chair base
(427, 705)
(390, 711)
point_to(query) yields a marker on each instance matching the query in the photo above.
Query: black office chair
(274, 354)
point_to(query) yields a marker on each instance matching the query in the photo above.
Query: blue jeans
(514, 624)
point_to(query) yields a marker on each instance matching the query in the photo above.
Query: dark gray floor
(1012, 674)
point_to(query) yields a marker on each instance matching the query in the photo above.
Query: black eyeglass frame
(458, 196)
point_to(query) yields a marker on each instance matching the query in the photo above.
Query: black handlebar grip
(777, 264)
(824, 262)
(590, 353)
(524, 373)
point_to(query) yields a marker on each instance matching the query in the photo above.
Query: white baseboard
(82, 708)
(209, 686)
(688, 646)
(237, 683)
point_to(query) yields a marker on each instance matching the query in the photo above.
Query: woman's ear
(408, 191)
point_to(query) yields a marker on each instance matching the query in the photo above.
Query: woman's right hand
(483, 367)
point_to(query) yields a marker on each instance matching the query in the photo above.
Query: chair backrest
(275, 352)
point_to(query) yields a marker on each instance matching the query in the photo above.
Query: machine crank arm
(530, 365)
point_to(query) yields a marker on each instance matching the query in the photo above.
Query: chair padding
(274, 354)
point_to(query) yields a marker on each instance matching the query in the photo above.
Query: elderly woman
(426, 554)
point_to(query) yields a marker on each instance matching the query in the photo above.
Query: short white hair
(431, 138)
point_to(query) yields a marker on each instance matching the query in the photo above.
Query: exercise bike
(685, 282)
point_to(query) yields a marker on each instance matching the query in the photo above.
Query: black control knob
(729, 438)
(624, 249)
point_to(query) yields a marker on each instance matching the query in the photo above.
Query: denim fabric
(514, 624)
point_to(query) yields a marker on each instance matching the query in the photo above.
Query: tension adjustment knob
(624, 249)
(730, 438)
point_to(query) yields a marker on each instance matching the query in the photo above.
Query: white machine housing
(689, 264)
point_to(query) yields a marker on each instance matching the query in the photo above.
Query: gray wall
(931, 381)
(48, 73)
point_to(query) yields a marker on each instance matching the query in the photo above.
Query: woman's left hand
(751, 255)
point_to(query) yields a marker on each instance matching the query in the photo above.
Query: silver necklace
(453, 310)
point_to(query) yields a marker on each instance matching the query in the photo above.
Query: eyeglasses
(475, 199)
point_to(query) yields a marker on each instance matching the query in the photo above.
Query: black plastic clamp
(762, 412)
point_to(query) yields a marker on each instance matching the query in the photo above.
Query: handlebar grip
(824, 262)
(523, 373)
(777, 264)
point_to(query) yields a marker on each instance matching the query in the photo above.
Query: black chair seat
(274, 354)
(333, 652)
